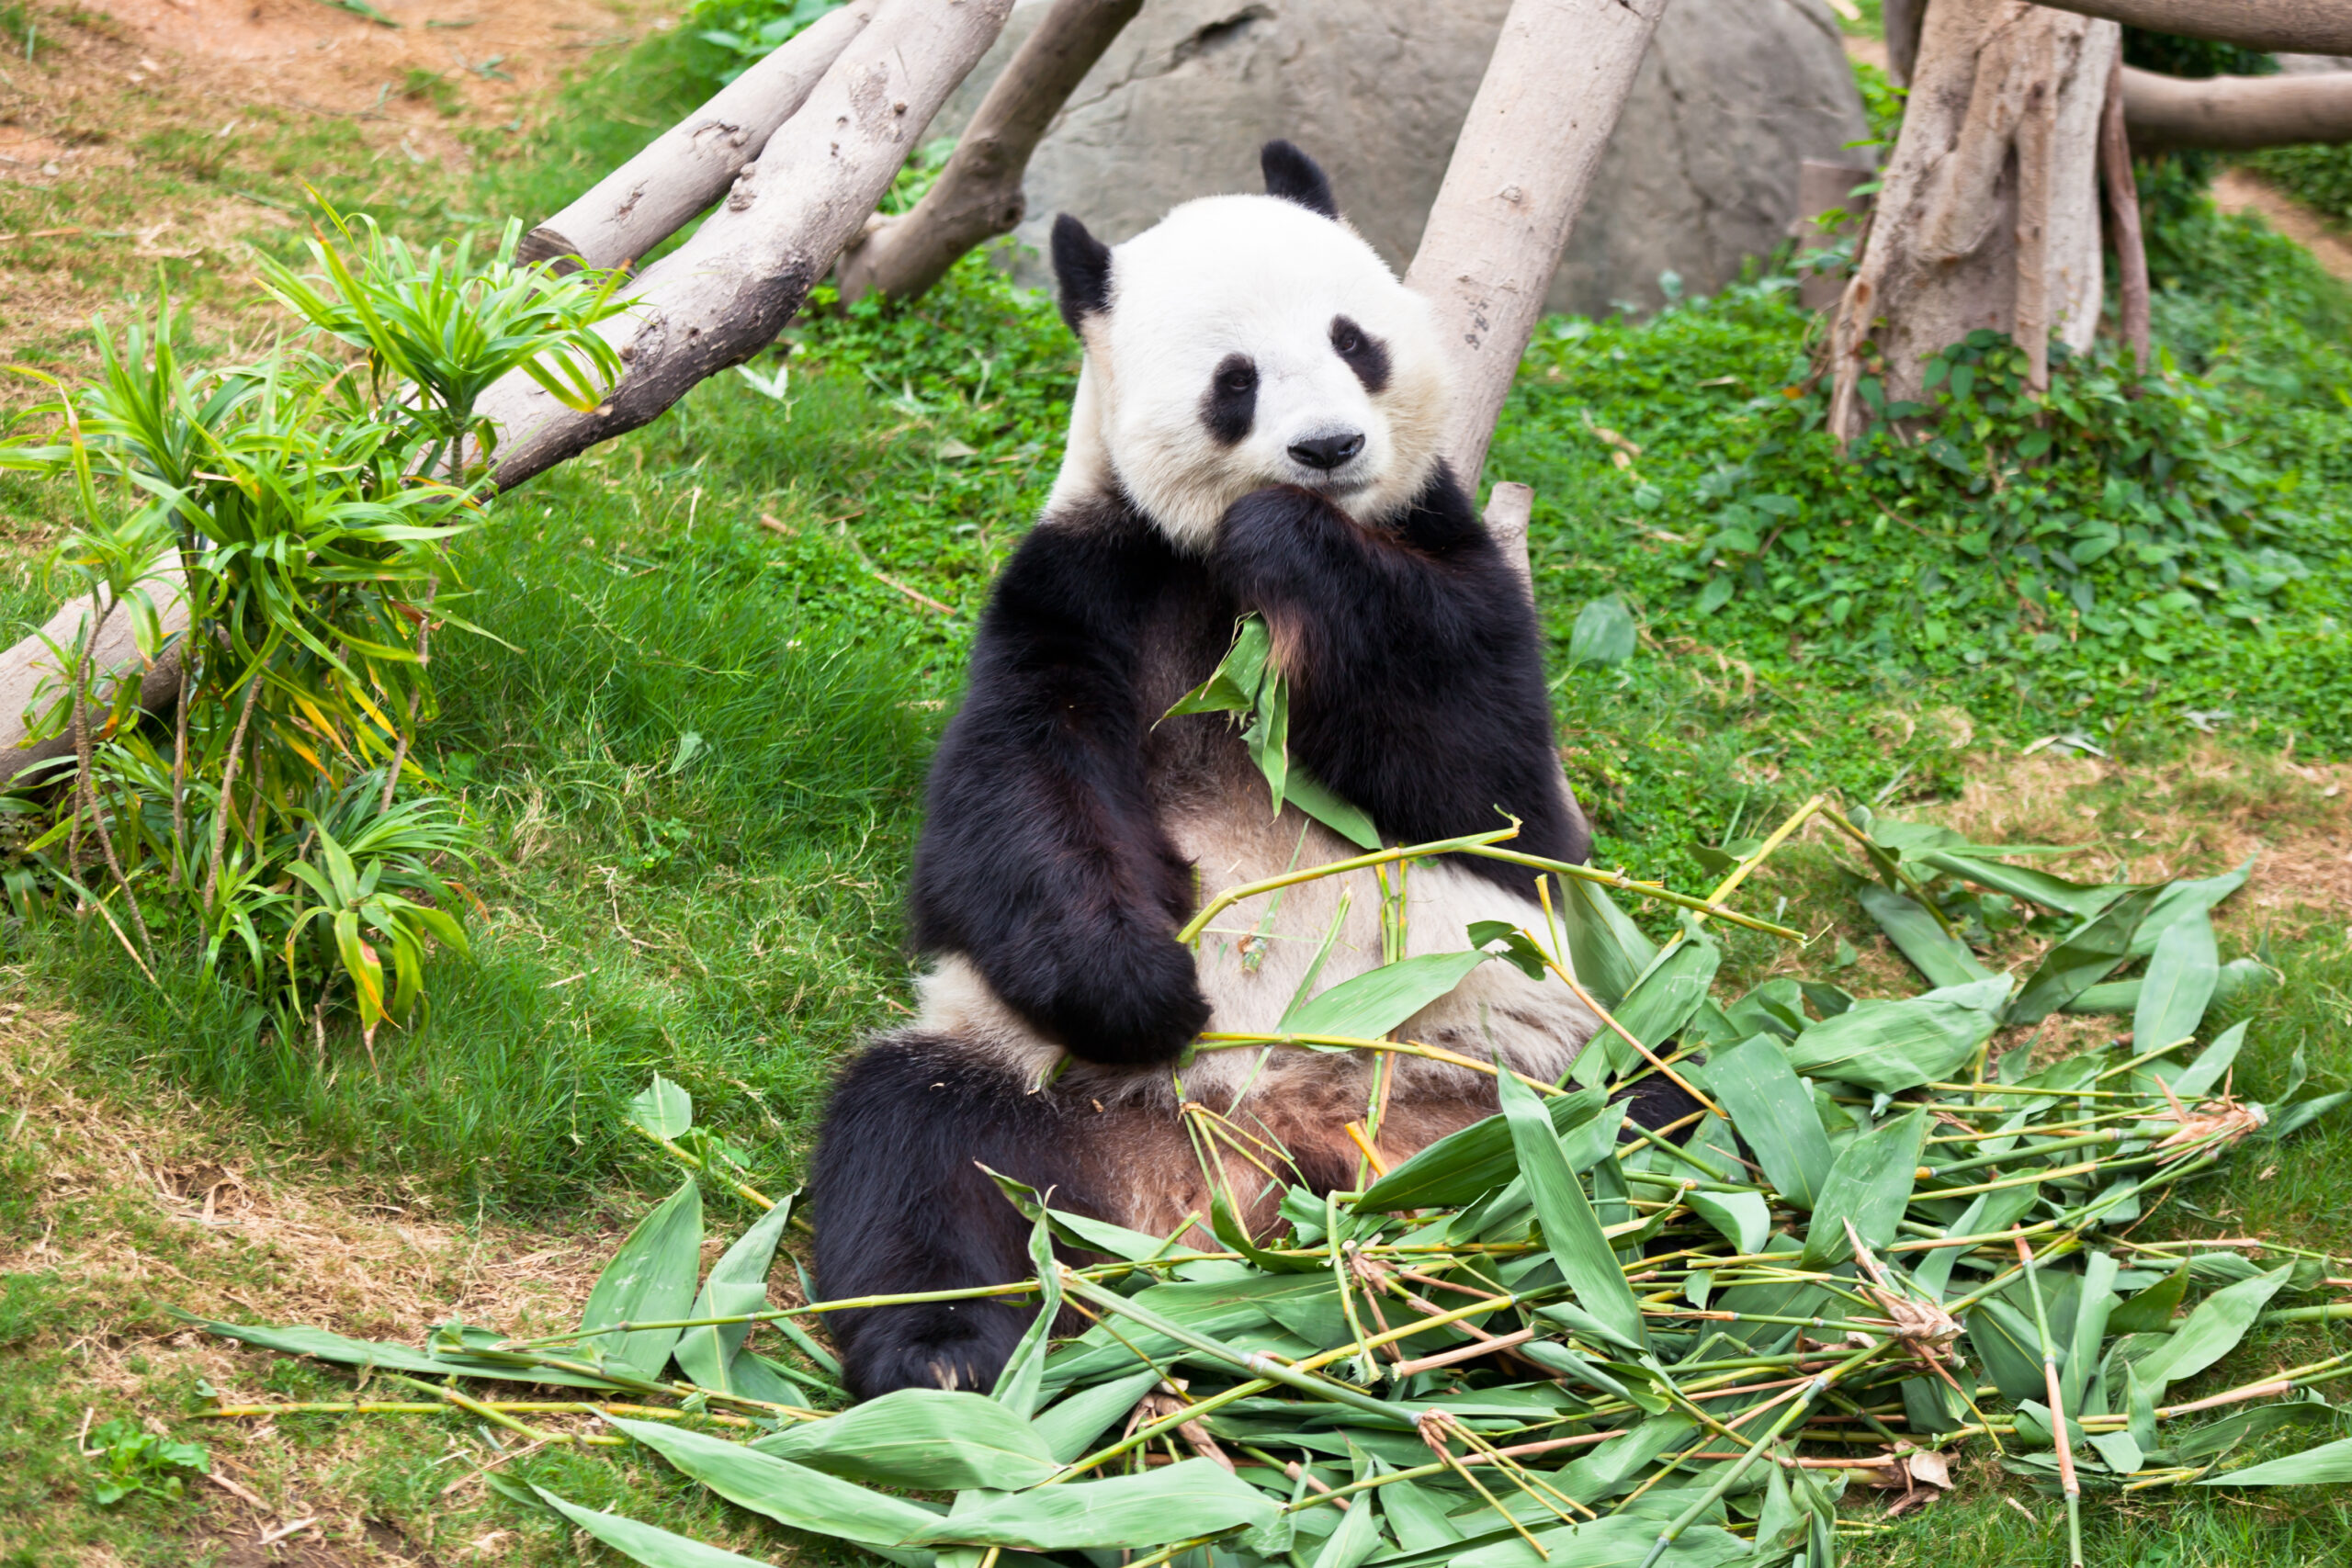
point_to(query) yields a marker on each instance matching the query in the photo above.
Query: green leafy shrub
(137, 1461)
(300, 510)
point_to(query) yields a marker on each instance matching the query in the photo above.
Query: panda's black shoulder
(1089, 571)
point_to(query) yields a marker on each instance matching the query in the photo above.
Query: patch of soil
(2242, 190)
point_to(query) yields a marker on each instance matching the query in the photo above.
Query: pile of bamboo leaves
(1554, 1337)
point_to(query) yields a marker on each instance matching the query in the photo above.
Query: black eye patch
(1365, 354)
(1231, 405)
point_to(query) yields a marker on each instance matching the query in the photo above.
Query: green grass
(697, 741)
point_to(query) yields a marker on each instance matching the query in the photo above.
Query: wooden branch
(633, 209)
(1559, 78)
(30, 671)
(725, 295)
(2236, 114)
(2298, 26)
(979, 195)
(2123, 221)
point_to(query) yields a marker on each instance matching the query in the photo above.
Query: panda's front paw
(1134, 1002)
(932, 1346)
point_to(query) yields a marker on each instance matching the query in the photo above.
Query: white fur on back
(1264, 277)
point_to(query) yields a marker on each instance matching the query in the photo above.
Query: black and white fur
(1255, 429)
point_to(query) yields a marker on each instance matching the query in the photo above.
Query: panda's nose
(1328, 452)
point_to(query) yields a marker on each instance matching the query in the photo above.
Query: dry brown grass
(162, 1199)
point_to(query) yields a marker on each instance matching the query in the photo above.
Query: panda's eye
(1237, 377)
(1364, 355)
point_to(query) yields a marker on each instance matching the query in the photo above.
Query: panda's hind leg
(902, 1207)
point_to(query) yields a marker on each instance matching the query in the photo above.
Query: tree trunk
(725, 295)
(2236, 114)
(1989, 212)
(2123, 221)
(978, 194)
(2303, 27)
(631, 211)
(1551, 96)
(1902, 19)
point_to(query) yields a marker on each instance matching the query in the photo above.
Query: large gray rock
(1702, 173)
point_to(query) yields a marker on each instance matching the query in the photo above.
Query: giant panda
(1256, 428)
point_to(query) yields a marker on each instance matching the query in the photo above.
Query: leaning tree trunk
(979, 195)
(1559, 77)
(724, 295)
(631, 211)
(1989, 212)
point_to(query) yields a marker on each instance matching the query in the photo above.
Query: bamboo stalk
(2067, 1479)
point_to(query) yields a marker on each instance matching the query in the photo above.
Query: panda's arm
(1042, 860)
(1416, 670)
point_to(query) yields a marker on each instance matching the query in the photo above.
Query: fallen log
(631, 211)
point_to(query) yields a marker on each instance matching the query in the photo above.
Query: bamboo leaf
(2150, 1312)
(1607, 950)
(1743, 1219)
(1371, 1005)
(1604, 634)
(789, 1494)
(1233, 687)
(1773, 1111)
(1571, 1231)
(1661, 1002)
(1464, 1167)
(925, 1439)
(1892, 1046)
(2178, 985)
(1943, 958)
(2057, 892)
(1357, 1539)
(2197, 1079)
(2087, 956)
(650, 1279)
(2213, 1330)
(1622, 1541)
(662, 1110)
(1196, 1497)
(321, 1344)
(1870, 1186)
(1019, 1387)
(1071, 1428)
(2327, 1462)
(2184, 900)
(1319, 800)
(649, 1544)
(738, 1284)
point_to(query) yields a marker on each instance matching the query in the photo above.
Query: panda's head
(1245, 340)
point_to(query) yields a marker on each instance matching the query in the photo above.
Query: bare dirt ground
(154, 139)
(144, 56)
(2240, 190)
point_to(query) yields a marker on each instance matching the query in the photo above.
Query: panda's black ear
(1082, 268)
(1294, 176)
